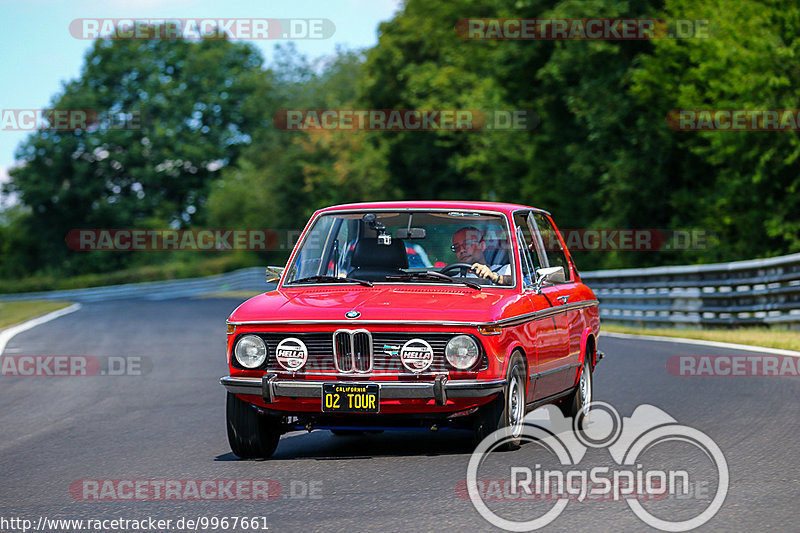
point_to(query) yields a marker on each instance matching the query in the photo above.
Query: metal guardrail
(759, 291)
(246, 279)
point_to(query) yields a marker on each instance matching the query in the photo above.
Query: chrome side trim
(389, 389)
(546, 313)
(511, 321)
(530, 406)
(563, 368)
(474, 388)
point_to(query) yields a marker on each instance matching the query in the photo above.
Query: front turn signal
(490, 330)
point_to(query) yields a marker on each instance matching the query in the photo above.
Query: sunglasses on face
(459, 247)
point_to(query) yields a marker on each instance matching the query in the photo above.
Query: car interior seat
(373, 262)
(495, 252)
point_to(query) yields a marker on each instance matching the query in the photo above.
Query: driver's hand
(483, 271)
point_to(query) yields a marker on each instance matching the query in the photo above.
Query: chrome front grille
(352, 351)
(328, 352)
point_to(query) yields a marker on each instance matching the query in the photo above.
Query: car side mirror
(549, 276)
(274, 273)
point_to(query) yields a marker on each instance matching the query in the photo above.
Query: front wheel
(507, 411)
(250, 434)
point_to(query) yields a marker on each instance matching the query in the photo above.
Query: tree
(284, 176)
(187, 115)
(740, 186)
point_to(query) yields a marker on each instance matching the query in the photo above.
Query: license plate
(350, 398)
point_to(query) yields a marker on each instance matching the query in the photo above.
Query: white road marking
(715, 344)
(7, 334)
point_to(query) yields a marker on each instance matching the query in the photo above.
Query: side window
(552, 244)
(529, 261)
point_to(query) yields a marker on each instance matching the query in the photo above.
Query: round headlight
(250, 351)
(462, 352)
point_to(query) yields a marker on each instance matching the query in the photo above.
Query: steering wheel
(462, 267)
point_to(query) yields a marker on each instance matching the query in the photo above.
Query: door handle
(563, 299)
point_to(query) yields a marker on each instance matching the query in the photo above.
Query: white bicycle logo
(626, 442)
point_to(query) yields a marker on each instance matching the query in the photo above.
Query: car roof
(434, 204)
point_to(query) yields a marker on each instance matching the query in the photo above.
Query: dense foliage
(601, 154)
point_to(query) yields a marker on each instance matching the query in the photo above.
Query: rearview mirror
(411, 233)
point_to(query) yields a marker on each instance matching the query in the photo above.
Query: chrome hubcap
(516, 407)
(586, 389)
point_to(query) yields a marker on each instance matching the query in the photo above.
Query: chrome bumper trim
(389, 389)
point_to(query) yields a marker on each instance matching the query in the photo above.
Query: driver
(469, 245)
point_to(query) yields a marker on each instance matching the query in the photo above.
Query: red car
(353, 339)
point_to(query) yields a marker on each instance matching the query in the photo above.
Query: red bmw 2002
(413, 315)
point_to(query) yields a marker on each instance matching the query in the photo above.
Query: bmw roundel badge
(352, 314)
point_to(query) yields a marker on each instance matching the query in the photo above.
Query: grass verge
(15, 312)
(755, 336)
(156, 272)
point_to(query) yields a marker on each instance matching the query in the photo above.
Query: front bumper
(269, 387)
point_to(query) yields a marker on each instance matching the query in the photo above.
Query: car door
(547, 337)
(569, 320)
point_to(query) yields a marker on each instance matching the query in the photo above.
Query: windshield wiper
(434, 276)
(333, 279)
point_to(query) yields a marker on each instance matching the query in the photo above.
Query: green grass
(756, 336)
(175, 270)
(16, 312)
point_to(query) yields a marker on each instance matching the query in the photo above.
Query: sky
(40, 53)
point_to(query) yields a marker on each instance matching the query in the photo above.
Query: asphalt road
(169, 423)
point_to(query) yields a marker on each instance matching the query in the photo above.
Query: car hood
(381, 302)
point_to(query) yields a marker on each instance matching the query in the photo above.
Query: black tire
(508, 409)
(250, 434)
(579, 400)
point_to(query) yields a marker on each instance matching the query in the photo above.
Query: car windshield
(405, 247)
